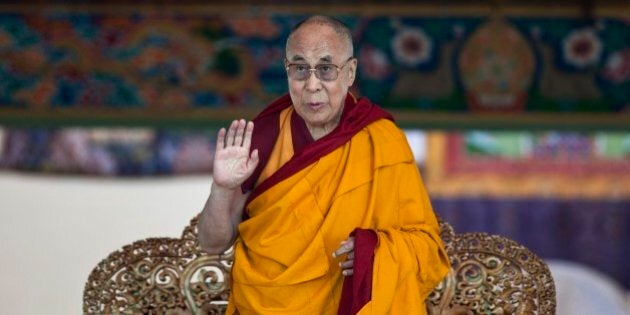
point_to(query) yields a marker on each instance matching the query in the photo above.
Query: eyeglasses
(324, 71)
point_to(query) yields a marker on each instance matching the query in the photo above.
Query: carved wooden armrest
(160, 276)
(491, 274)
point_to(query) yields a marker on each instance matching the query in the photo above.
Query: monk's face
(319, 102)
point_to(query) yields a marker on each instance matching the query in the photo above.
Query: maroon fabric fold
(356, 116)
(266, 130)
(301, 137)
(357, 289)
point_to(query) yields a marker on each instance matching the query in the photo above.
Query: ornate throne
(490, 275)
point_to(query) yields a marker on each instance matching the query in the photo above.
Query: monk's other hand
(346, 247)
(233, 163)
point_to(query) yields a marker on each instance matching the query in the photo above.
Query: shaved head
(339, 27)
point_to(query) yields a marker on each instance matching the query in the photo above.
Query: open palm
(233, 163)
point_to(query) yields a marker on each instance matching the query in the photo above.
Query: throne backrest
(490, 274)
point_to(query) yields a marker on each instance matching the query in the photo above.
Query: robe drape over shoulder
(307, 196)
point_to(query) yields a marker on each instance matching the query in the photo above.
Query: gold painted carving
(490, 275)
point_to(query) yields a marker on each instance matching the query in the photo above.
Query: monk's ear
(352, 70)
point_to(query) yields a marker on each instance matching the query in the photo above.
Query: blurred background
(517, 112)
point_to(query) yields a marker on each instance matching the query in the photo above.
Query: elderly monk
(321, 196)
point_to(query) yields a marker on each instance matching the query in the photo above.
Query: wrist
(219, 187)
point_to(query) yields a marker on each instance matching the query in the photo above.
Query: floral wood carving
(490, 275)
(160, 276)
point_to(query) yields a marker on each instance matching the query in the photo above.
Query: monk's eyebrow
(324, 59)
(327, 58)
(297, 58)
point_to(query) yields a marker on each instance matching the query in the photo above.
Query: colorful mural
(107, 151)
(500, 164)
(529, 164)
(58, 62)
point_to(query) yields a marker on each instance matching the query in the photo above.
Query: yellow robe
(283, 257)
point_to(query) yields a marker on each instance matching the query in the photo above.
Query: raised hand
(233, 163)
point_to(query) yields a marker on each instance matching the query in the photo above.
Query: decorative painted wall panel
(117, 64)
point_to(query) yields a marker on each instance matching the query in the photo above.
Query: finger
(348, 272)
(221, 139)
(253, 160)
(340, 251)
(345, 247)
(230, 134)
(351, 255)
(249, 130)
(240, 130)
(347, 264)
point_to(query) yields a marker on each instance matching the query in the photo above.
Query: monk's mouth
(315, 106)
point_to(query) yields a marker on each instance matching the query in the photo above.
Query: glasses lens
(298, 72)
(301, 72)
(326, 72)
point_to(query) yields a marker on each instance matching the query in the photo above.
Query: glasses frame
(312, 70)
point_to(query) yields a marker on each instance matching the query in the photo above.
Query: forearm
(233, 164)
(219, 219)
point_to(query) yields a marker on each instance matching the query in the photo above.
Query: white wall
(54, 230)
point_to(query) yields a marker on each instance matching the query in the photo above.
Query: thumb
(253, 161)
